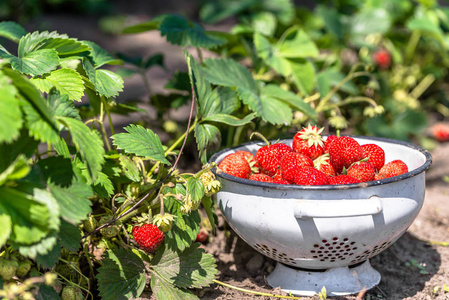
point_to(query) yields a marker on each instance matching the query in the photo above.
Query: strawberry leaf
(195, 188)
(11, 114)
(45, 292)
(61, 43)
(12, 31)
(303, 74)
(61, 106)
(142, 142)
(122, 275)
(6, 225)
(167, 291)
(49, 260)
(34, 63)
(70, 236)
(107, 83)
(130, 168)
(180, 31)
(16, 170)
(206, 135)
(43, 247)
(191, 268)
(296, 44)
(230, 120)
(100, 56)
(66, 81)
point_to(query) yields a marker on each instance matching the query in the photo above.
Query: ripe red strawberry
(363, 171)
(269, 157)
(148, 237)
(236, 165)
(343, 152)
(391, 169)
(323, 164)
(291, 162)
(328, 142)
(382, 58)
(251, 160)
(375, 155)
(202, 237)
(308, 141)
(342, 179)
(310, 176)
(261, 177)
(278, 178)
(440, 132)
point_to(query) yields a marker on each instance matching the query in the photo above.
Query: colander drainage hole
(334, 249)
(273, 253)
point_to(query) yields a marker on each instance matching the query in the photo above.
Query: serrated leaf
(40, 248)
(228, 72)
(35, 63)
(296, 102)
(66, 81)
(12, 31)
(206, 136)
(228, 99)
(88, 143)
(303, 73)
(166, 291)
(47, 292)
(270, 55)
(6, 226)
(70, 236)
(73, 201)
(190, 269)
(30, 219)
(216, 11)
(297, 44)
(11, 114)
(230, 119)
(100, 56)
(153, 24)
(61, 106)
(103, 187)
(130, 169)
(16, 170)
(122, 275)
(180, 31)
(195, 188)
(57, 170)
(142, 142)
(49, 260)
(107, 83)
(24, 145)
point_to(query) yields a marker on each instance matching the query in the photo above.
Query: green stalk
(100, 121)
(422, 86)
(412, 44)
(254, 292)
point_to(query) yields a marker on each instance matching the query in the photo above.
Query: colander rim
(276, 186)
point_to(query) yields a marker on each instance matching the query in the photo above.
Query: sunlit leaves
(66, 81)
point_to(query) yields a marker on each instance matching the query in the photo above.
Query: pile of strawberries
(313, 160)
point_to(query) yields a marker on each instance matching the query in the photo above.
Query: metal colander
(325, 227)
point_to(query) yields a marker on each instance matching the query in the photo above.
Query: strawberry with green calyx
(290, 164)
(323, 164)
(211, 184)
(308, 141)
(148, 237)
(363, 171)
(8, 267)
(343, 152)
(108, 231)
(90, 224)
(343, 179)
(391, 169)
(71, 292)
(255, 168)
(310, 176)
(261, 177)
(163, 222)
(269, 156)
(235, 165)
(374, 154)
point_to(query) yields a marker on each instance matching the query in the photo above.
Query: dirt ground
(412, 268)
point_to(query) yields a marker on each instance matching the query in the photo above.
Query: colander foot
(338, 281)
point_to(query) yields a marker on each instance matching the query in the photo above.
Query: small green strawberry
(24, 267)
(8, 268)
(211, 184)
(108, 231)
(71, 293)
(90, 224)
(163, 222)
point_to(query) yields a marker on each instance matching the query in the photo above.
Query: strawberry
(310, 176)
(202, 237)
(328, 142)
(391, 169)
(71, 292)
(278, 178)
(148, 237)
(375, 155)
(440, 132)
(251, 160)
(308, 141)
(291, 162)
(236, 165)
(323, 164)
(343, 179)
(343, 152)
(8, 268)
(269, 157)
(382, 58)
(363, 171)
(261, 177)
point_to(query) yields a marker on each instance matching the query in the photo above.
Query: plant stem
(254, 292)
(100, 121)
(106, 108)
(422, 86)
(412, 44)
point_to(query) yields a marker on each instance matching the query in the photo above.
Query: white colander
(324, 235)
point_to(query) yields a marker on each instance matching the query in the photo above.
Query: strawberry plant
(88, 214)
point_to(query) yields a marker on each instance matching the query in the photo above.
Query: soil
(412, 268)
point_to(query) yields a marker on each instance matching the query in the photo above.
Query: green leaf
(34, 63)
(130, 168)
(17, 170)
(180, 31)
(47, 292)
(30, 219)
(88, 143)
(61, 106)
(100, 56)
(42, 247)
(296, 102)
(303, 73)
(180, 81)
(70, 236)
(229, 119)
(155, 60)
(264, 23)
(153, 24)
(142, 142)
(206, 135)
(284, 10)
(73, 201)
(24, 145)
(270, 55)
(216, 11)
(166, 291)
(297, 44)
(195, 188)
(12, 31)
(332, 20)
(50, 259)
(11, 114)
(208, 205)
(370, 21)
(228, 72)
(45, 40)
(107, 83)
(122, 275)
(66, 81)
(190, 269)
(228, 99)
(6, 225)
